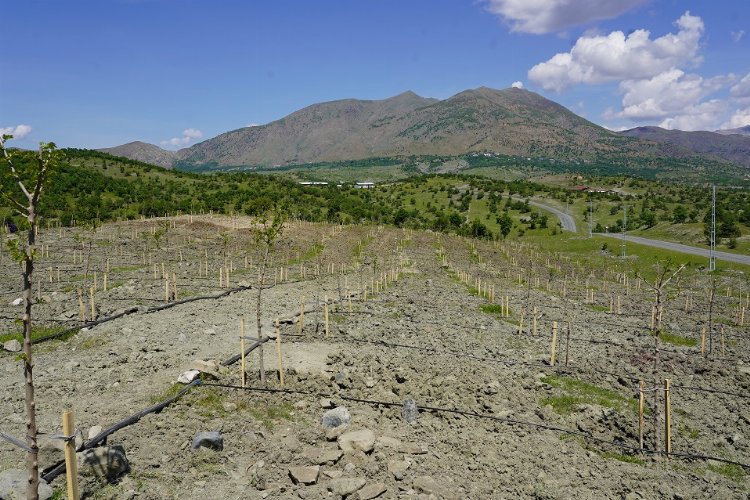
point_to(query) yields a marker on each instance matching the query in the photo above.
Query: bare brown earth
(424, 337)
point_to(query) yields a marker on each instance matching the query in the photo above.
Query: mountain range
(509, 121)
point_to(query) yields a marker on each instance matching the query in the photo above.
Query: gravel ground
(425, 337)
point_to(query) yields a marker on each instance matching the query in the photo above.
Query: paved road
(568, 224)
(678, 247)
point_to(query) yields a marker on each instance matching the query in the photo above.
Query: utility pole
(712, 240)
(624, 229)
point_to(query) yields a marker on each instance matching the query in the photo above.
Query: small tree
(265, 234)
(664, 275)
(25, 172)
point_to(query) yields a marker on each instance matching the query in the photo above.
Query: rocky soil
(495, 419)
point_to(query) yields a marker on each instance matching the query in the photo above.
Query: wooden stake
(742, 316)
(520, 321)
(667, 419)
(93, 304)
(533, 321)
(71, 462)
(641, 411)
(278, 353)
(567, 345)
(703, 341)
(325, 312)
(104, 284)
(553, 348)
(174, 286)
(722, 341)
(301, 315)
(242, 351)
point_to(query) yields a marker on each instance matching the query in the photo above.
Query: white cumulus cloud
(18, 132)
(737, 35)
(547, 16)
(615, 57)
(668, 93)
(741, 90)
(700, 116)
(517, 85)
(188, 135)
(740, 118)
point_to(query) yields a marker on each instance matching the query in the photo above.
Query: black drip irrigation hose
(466, 413)
(58, 469)
(88, 324)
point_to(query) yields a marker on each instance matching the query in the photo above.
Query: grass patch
(673, 339)
(211, 404)
(491, 308)
(337, 318)
(38, 332)
(598, 308)
(731, 471)
(631, 459)
(170, 392)
(208, 463)
(578, 392)
(268, 415)
(309, 254)
(688, 432)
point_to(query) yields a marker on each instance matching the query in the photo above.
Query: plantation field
(462, 326)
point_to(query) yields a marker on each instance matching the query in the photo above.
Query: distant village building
(313, 183)
(579, 187)
(364, 185)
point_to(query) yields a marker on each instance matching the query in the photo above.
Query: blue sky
(100, 73)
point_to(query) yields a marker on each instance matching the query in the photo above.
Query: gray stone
(427, 485)
(333, 434)
(410, 412)
(209, 367)
(345, 486)
(336, 417)
(107, 461)
(94, 431)
(371, 491)
(213, 440)
(12, 345)
(398, 468)
(13, 486)
(304, 475)
(363, 440)
(188, 376)
(324, 456)
(326, 403)
(342, 380)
